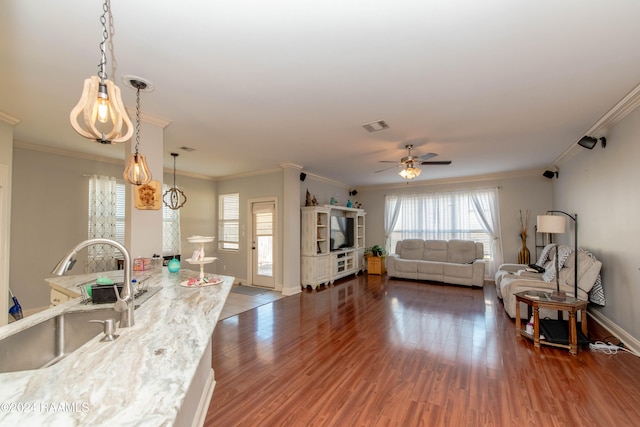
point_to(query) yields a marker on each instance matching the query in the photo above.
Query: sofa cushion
(457, 270)
(435, 250)
(429, 267)
(461, 251)
(411, 249)
(406, 266)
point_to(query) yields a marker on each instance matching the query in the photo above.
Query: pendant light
(100, 114)
(136, 172)
(174, 198)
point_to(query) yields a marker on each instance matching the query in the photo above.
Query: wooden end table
(375, 265)
(536, 300)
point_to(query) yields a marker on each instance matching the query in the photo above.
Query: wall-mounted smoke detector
(376, 126)
(187, 148)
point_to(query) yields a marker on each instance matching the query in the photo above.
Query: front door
(263, 214)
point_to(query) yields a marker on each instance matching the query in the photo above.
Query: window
(229, 222)
(170, 228)
(467, 215)
(107, 219)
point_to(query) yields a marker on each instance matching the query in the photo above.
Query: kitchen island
(157, 373)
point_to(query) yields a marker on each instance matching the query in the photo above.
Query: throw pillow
(544, 255)
(550, 273)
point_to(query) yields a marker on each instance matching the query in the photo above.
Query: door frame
(277, 282)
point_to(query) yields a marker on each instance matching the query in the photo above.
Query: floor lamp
(556, 225)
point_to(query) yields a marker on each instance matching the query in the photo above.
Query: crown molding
(460, 180)
(8, 118)
(151, 119)
(619, 111)
(98, 158)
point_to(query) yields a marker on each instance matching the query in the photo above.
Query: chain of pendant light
(177, 198)
(102, 73)
(139, 85)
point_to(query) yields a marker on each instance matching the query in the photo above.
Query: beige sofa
(513, 278)
(458, 262)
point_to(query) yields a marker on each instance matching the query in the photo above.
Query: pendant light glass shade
(137, 172)
(100, 114)
(410, 172)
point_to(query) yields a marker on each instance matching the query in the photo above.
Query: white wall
(601, 185)
(6, 161)
(251, 187)
(197, 216)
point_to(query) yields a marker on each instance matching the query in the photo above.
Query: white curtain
(486, 203)
(391, 211)
(102, 222)
(466, 215)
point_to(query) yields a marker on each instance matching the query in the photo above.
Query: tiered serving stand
(198, 258)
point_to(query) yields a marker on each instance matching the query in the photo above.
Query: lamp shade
(551, 224)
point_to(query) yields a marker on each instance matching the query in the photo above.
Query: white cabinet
(320, 265)
(58, 296)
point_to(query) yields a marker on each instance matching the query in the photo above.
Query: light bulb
(103, 103)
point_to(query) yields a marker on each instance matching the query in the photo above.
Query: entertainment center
(332, 244)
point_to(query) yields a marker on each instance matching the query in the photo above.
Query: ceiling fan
(410, 163)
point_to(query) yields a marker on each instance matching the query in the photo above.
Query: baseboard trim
(629, 341)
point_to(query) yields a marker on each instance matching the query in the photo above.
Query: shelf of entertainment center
(331, 248)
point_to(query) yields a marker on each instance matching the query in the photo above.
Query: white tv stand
(319, 265)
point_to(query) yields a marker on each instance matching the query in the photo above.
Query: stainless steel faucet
(127, 295)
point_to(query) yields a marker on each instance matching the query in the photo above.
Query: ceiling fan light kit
(410, 172)
(100, 114)
(409, 163)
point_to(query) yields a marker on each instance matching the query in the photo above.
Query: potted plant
(376, 250)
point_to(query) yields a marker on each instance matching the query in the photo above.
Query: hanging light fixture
(137, 172)
(174, 198)
(100, 114)
(410, 171)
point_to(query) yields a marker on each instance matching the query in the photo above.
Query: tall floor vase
(524, 257)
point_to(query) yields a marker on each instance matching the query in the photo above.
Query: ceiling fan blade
(441, 162)
(388, 161)
(427, 156)
(390, 167)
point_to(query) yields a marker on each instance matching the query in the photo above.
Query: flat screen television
(341, 233)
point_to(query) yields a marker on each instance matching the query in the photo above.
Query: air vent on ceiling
(187, 149)
(376, 126)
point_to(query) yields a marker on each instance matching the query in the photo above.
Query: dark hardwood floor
(376, 352)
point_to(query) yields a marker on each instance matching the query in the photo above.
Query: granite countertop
(141, 378)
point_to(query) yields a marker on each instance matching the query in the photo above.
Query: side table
(536, 300)
(375, 265)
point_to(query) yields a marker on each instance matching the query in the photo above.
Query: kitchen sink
(46, 343)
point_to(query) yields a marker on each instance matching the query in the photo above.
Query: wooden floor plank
(370, 351)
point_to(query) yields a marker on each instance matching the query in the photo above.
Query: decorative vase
(524, 257)
(174, 265)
